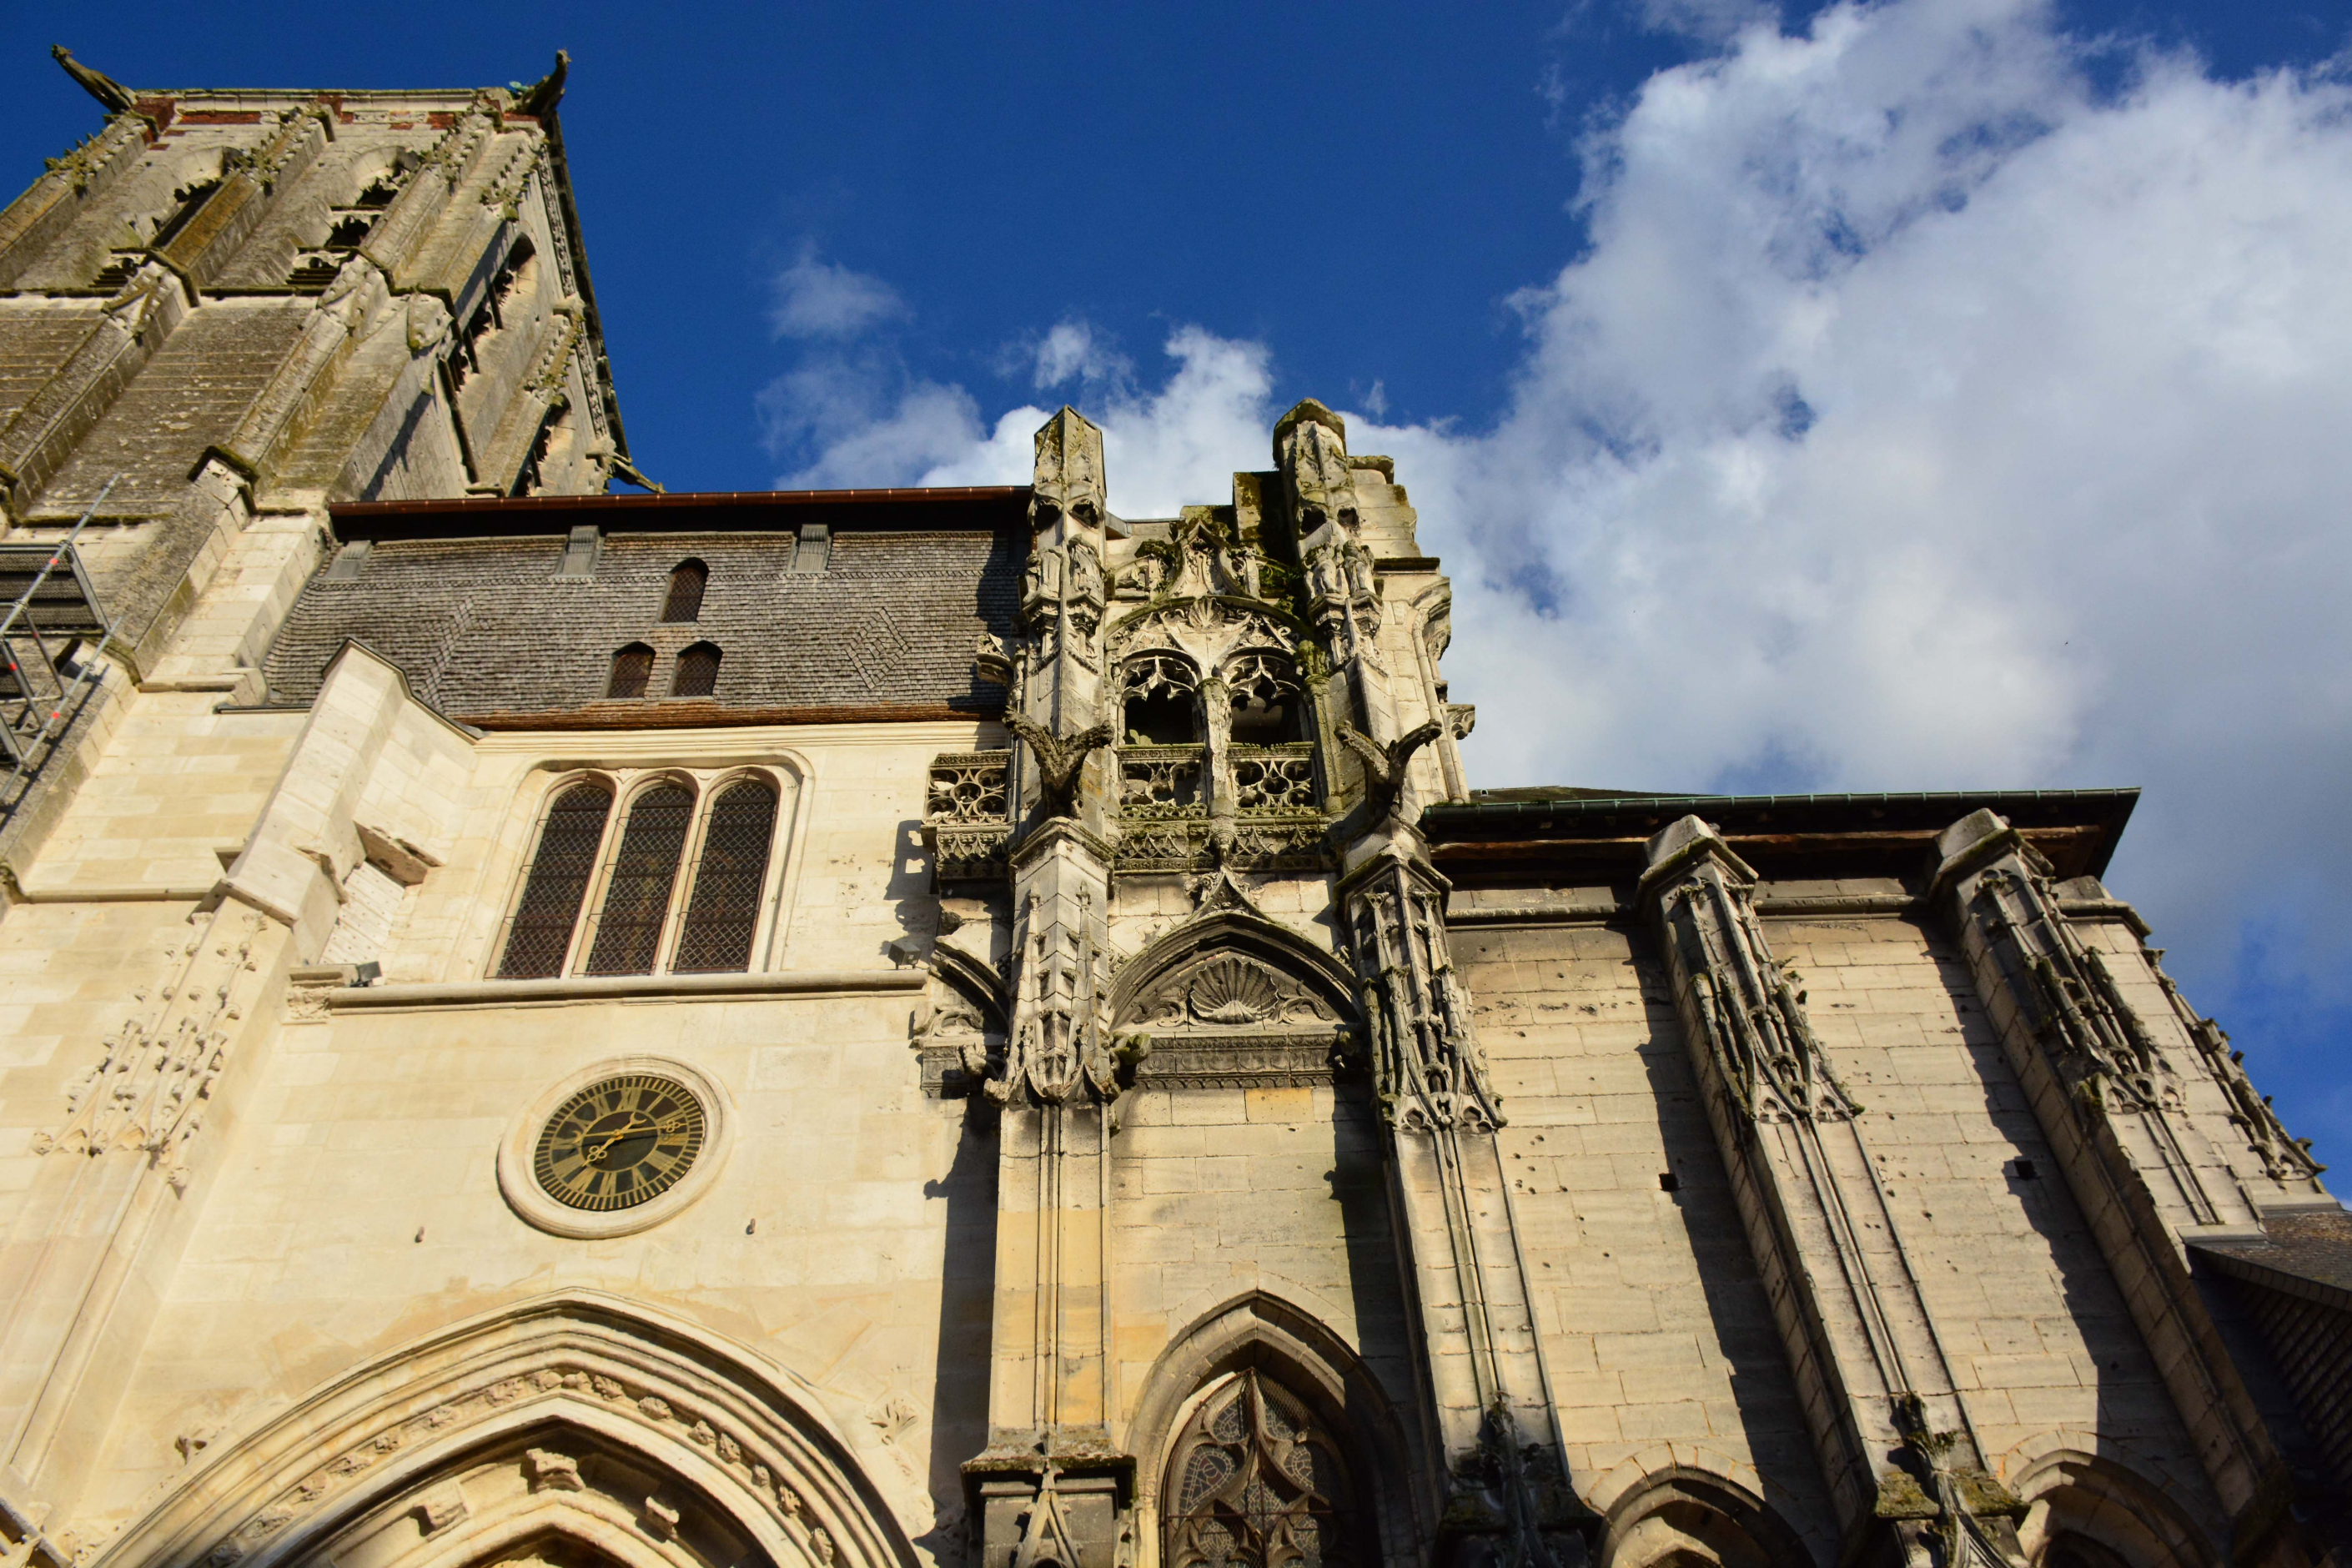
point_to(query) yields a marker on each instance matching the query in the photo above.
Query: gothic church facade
(884, 1029)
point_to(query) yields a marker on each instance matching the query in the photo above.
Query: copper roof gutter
(979, 508)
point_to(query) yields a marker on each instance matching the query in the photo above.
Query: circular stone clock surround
(519, 1182)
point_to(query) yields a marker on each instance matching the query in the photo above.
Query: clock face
(620, 1143)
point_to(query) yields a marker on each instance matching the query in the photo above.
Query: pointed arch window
(698, 671)
(723, 911)
(561, 866)
(632, 667)
(645, 874)
(688, 579)
(1252, 1481)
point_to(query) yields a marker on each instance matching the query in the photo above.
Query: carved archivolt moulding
(580, 1416)
(536, 1206)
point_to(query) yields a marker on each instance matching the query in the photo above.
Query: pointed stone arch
(2086, 1509)
(631, 1438)
(1681, 1517)
(1261, 1335)
(1239, 930)
(1231, 999)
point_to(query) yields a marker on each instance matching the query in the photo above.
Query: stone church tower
(882, 1028)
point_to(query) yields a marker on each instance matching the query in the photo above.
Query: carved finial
(539, 99)
(1069, 475)
(98, 84)
(1059, 761)
(1311, 447)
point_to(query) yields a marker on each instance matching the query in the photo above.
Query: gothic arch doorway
(1253, 1481)
(574, 1431)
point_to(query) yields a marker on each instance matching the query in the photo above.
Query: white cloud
(815, 298)
(1917, 418)
(1072, 351)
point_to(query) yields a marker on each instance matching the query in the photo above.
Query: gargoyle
(98, 84)
(539, 99)
(1059, 761)
(1384, 767)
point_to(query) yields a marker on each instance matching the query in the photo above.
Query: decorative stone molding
(580, 1396)
(1426, 1062)
(1888, 1420)
(533, 1204)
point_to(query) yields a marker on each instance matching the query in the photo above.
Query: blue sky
(1934, 393)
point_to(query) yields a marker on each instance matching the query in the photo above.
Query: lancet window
(1254, 1482)
(539, 933)
(674, 881)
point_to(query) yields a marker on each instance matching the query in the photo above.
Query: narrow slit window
(698, 671)
(636, 899)
(560, 868)
(723, 910)
(685, 585)
(632, 667)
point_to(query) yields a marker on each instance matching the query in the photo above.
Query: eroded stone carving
(1227, 991)
(1426, 1063)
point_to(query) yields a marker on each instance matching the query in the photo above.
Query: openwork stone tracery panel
(1254, 1482)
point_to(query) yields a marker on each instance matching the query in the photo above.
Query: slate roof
(486, 630)
(1591, 833)
(2307, 1255)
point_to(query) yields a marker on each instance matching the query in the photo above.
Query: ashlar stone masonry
(952, 1026)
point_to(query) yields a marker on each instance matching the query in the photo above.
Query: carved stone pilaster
(1426, 1065)
(1508, 1499)
(1890, 1425)
(2108, 1099)
(1050, 1487)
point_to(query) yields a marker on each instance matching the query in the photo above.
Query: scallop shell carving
(1231, 992)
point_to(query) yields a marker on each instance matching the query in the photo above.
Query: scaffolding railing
(39, 693)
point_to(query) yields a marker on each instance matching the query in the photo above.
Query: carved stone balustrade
(967, 820)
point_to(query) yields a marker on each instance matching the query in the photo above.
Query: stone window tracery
(1265, 698)
(1162, 702)
(1254, 1482)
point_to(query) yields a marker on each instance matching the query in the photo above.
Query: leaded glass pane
(560, 868)
(685, 585)
(636, 899)
(723, 911)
